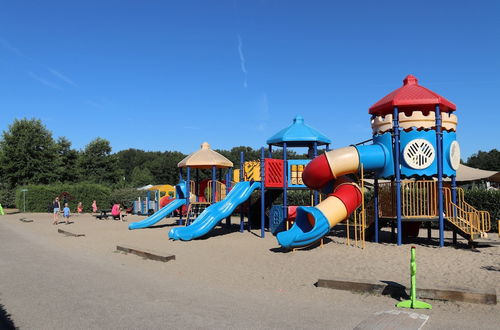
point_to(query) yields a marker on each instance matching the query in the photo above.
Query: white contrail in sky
(242, 60)
(62, 77)
(43, 81)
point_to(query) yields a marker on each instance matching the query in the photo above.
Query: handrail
(220, 191)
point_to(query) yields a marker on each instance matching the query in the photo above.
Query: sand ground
(227, 280)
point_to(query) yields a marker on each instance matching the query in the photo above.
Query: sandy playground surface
(227, 280)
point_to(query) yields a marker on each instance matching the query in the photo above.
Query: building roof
(205, 158)
(298, 134)
(411, 96)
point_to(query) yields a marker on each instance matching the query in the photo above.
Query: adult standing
(57, 206)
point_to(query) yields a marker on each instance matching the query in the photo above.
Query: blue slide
(157, 216)
(213, 214)
(180, 190)
(302, 232)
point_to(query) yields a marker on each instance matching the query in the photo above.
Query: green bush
(39, 198)
(7, 196)
(126, 196)
(485, 200)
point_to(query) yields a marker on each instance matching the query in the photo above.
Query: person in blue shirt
(66, 213)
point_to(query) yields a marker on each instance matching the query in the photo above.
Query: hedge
(485, 200)
(126, 196)
(39, 198)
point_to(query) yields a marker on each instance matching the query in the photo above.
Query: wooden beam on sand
(148, 254)
(67, 233)
(25, 220)
(487, 297)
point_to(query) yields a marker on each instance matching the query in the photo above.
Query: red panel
(292, 212)
(274, 171)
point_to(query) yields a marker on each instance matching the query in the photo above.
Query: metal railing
(220, 191)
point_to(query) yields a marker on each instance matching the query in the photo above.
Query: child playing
(66, 213)
(79, 208)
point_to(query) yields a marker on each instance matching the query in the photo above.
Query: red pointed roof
(411, 96)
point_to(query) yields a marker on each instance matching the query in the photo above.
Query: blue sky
(168, 75)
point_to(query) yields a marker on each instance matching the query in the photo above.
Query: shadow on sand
(5, 321)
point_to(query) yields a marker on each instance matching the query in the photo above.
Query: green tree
(96, 163)
(28, 154)
(485, 160)
(141, 177)
(68, 158)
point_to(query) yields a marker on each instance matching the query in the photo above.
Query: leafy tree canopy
(485, 160)
(28, 154)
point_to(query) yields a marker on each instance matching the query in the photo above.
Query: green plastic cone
(413, 302)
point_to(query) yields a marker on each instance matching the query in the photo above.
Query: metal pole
(397, 172)
(180, 173)
(214, 186)
(439, 147)
(327, 148)
(262, 195)
(315, 154)
(375, 206)
(454, 200)
(24, 201)
(285, 182)
(228, 186)
(188, 192)
(270, 151)
(197, 185)
(242, 160)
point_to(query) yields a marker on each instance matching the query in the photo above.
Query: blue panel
(407, 137)
(448, 138)
(276, 219)
(291, 162)
(385, 141)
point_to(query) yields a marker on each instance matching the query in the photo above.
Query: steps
(467, 221)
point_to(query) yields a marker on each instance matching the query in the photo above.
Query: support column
(375, 206)
(262, 195)
(397, 171)
(214, 186)
(285, 182)
(197, 185)
(454, 200)
(315, 154)
(439, 147)
(242, 177)
(188, 192)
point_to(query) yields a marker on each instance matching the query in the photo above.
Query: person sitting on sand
(79, 208)
(66, 212)
(116, 211)
(94, 206)
(56, 205)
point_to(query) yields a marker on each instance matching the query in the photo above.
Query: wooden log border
(146, 253)
(67, 233)
(487, 297)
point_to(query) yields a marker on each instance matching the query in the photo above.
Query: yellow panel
(236, 175)
(252, 170)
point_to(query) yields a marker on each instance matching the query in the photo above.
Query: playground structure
(267, 175)
(155, 196)
(413, 150)
(194, 196)
(414, 138)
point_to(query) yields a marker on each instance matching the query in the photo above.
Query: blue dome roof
(298, 135)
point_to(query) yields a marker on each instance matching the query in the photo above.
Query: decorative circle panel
(419, 154)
